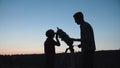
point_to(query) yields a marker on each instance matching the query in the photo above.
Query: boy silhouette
(49, 47)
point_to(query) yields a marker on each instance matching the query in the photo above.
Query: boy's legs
(50, 61)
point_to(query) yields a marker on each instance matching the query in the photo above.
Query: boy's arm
(57, 40)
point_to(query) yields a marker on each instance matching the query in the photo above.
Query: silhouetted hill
(103, 59)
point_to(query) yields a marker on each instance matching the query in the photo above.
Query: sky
(23, 23)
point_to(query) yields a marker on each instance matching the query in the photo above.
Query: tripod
(65, 37)
(72, 61)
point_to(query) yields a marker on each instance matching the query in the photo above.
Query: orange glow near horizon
(22, 52)
(31, 51)
(13, 52)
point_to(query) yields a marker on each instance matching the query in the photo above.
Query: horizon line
(56, 52)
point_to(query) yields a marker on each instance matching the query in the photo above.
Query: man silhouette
(87, 41)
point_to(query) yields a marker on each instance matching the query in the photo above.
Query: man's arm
(75, 39)
(78, 40)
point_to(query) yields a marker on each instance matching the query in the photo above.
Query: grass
(103, 59)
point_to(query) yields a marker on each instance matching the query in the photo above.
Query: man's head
(50, 33)
(79, 18)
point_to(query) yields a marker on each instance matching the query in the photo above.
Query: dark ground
(103, 59)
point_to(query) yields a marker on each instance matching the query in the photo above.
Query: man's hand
(79, 46)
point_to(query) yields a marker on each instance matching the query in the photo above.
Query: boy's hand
(58, 43)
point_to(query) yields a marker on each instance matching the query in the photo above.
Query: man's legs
(88, 59)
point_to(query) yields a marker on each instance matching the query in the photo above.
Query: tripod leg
(72, 57)
(72, 61)
(66, 50)
(63, 59)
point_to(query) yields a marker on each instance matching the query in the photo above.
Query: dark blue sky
(23, 23)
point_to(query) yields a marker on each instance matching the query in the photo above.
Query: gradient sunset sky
(23, 23)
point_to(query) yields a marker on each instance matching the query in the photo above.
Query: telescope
(65, 37)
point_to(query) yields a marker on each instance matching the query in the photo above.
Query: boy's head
(50, 33)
